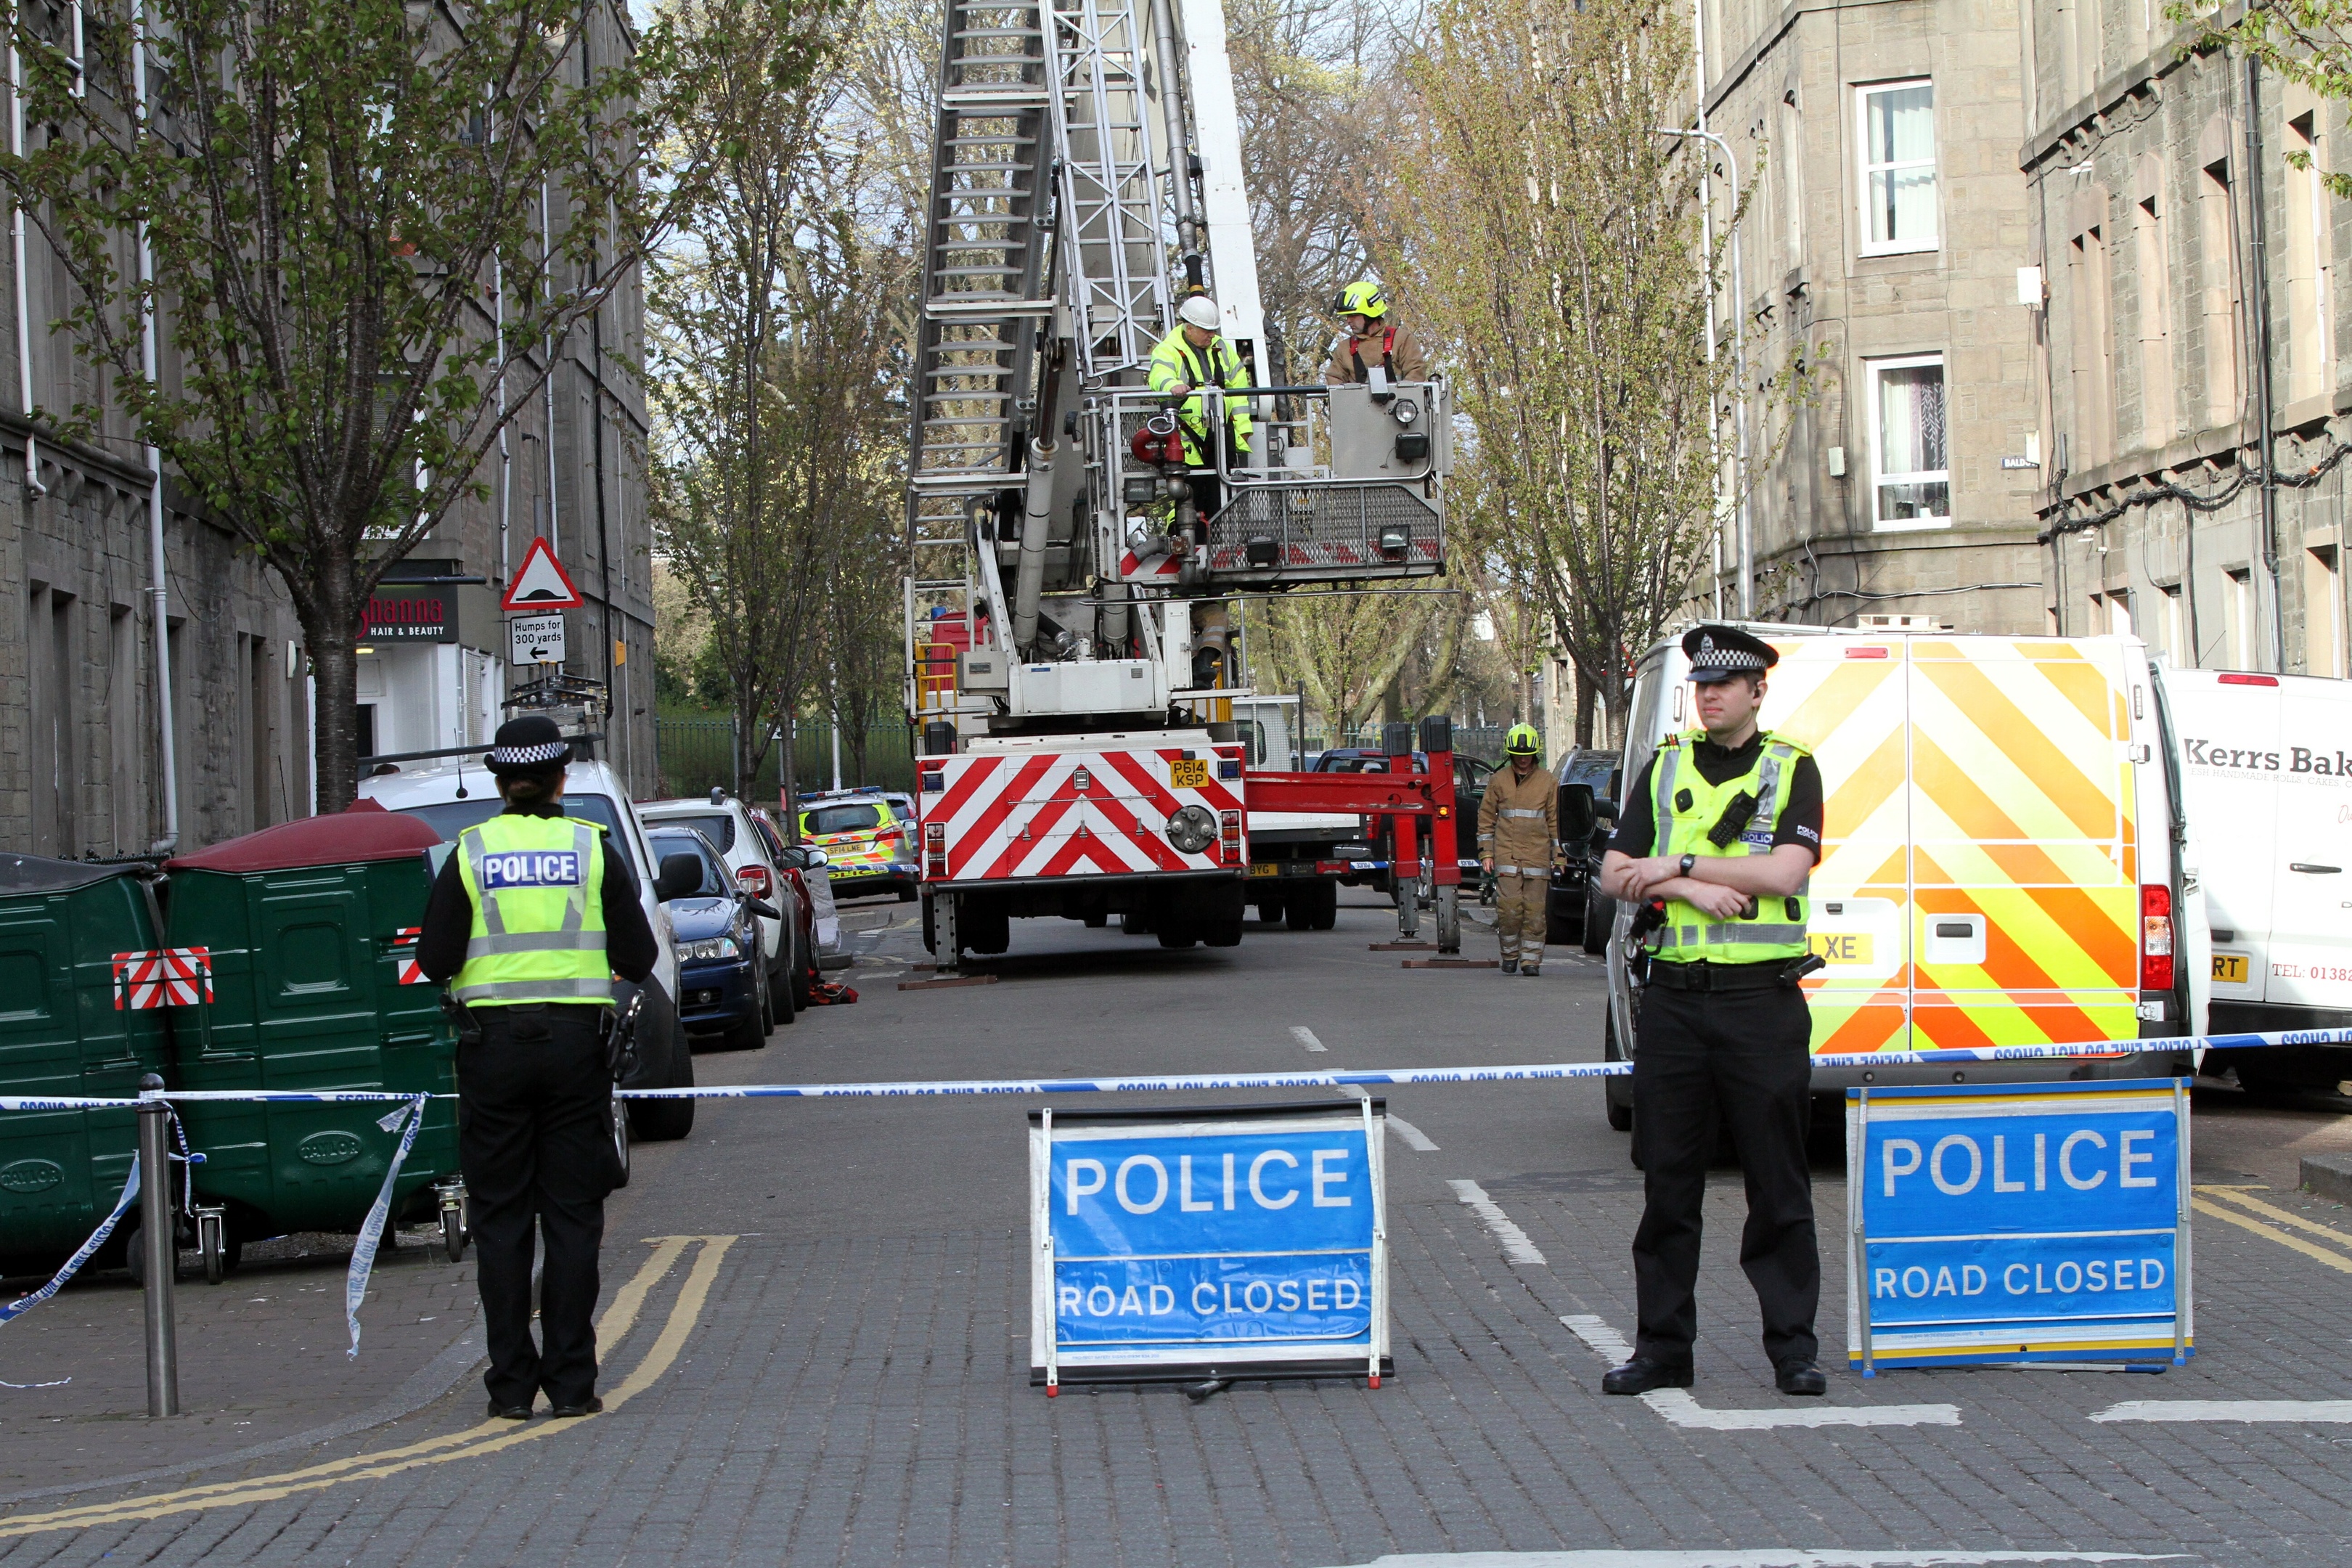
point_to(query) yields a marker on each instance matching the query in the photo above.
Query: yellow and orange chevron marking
(1977, 787)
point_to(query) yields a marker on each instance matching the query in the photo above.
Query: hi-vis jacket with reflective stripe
(1688, 807)
(1518, 822)
(1175, 362)
(537, 885)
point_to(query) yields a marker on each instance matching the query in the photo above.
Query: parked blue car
(722, 980)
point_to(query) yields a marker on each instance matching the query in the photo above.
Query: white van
(2267, 765)
(2001, 850)
(451, 793)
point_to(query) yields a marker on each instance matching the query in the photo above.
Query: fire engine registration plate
(2230, 968)
(1188, 772)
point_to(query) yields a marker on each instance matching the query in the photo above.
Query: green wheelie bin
(73, 938)
(311, 929)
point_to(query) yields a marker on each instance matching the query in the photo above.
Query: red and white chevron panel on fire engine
(1090, 812)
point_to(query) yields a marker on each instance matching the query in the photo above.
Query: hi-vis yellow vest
(1777, 930)
(1174, 360)
(538, 889)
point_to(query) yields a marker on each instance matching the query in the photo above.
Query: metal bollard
(160, 1244)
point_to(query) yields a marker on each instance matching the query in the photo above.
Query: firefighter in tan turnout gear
(1518, 833)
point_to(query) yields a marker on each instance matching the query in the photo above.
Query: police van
(2267, 765)
(2002, 850)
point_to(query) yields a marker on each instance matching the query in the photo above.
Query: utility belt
(1704, 974)
(616, 1027)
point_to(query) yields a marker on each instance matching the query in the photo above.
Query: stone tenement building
(2191, 275)
(1882, 245)
(82, 709)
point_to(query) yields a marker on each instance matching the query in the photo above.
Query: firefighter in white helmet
(1518, 834)
(1196, 354)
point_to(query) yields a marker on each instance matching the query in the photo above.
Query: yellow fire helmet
(1522, 741)
(1367, 298)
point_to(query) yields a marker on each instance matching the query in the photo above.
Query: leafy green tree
(359, 227)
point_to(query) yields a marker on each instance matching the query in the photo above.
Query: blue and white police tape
(31, 1300)
(1314, 1078)
(355, 1281)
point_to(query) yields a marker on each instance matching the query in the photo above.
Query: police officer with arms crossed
(1518, 833)
(532, 915)
(1725, 828)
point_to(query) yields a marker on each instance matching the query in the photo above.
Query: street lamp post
(1739, 370)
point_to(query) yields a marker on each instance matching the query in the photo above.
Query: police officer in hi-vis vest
(1724, 828)
(532, 915)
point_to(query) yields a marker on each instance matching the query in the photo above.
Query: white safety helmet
(1201, 311)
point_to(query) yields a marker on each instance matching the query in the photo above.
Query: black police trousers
(535, 1143)
(1737, 1062)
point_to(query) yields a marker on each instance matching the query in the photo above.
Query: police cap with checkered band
(1718, 653)
(530, 744)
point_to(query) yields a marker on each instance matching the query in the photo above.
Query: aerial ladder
(1074, 638)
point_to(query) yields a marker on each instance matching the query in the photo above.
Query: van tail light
(935, 849)
(1230, 837)
(755, 880)
(2156, 938)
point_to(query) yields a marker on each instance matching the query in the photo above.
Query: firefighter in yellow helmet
(1374, 339)
(1518, 834)
(532, 915)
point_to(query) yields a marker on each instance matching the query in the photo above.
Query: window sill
(1878, 252)
(1911, 525)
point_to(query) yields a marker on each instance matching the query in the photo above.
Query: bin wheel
(453, 1232)
(214, 1246)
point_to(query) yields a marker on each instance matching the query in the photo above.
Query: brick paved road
(845, 1381)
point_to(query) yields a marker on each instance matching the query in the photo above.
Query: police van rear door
(2024, 844)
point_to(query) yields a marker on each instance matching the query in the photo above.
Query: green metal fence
(696, 752)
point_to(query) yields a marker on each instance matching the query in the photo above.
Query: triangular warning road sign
(542, 583)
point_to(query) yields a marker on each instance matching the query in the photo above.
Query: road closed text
(1160, 1299)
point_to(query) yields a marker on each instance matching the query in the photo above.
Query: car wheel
(751, 1031)
(905, 893)
(1599, 918)
(667, 1120)
(620, 1139)
(1326, 906)
(1619, 1099)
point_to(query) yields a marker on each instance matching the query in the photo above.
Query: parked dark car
(722, 975)
(1579, 911)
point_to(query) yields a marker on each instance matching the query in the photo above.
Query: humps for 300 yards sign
(2016, 1223)
(1185, 1244)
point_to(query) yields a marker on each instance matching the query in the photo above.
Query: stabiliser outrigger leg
(1400, 801)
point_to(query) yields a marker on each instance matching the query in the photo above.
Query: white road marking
(1681, 1408)
(1306, 1036)
(1754, 1557)
(1404, 1130)
(1516, 1245)
(2322, 1411)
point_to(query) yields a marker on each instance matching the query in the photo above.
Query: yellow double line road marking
(488, 1438)
(2237, 1199)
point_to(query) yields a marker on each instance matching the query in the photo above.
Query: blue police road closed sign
(1195, 1244)
(2017, 1222)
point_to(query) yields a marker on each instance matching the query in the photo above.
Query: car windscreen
(717, 826)
(714, 880)
(450, 817)
(850, 818)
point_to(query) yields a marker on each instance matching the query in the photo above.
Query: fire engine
(1076, 628)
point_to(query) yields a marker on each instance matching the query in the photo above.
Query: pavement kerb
(422, 1387)
(481, 1439)
(2329, 1175)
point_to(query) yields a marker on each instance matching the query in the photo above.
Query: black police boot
(1799, 1375)
(508, 1412)
(588, 1406)
(1642, 1375)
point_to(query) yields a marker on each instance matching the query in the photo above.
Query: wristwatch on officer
(1689, 861)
